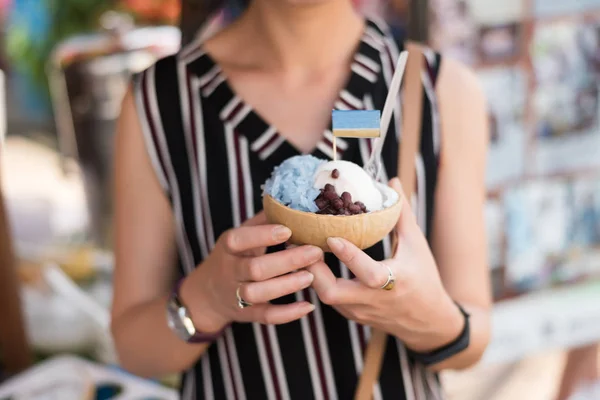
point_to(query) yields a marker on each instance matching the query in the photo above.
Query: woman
(199, 134)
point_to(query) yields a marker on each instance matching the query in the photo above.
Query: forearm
(145, 344)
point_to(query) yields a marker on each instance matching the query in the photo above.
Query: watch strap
(443, 353)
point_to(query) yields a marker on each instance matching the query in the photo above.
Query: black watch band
(449, 350)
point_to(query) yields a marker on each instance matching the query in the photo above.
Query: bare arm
(145, 260)
(459, 237)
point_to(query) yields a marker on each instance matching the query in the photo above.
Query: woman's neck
(294, 36)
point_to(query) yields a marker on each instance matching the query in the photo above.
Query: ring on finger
(391, 280)
(241, 302)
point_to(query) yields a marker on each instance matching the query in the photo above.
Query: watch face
(179, 320)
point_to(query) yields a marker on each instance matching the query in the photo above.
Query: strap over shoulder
(409, 144)
(412, 114)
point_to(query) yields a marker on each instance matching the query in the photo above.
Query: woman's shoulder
(168, 72)
(458, 82)
(463, 108)
(162, 70)
(393, 40)
(454, 85)
(439, 68)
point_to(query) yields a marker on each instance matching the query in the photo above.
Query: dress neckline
(264, 137)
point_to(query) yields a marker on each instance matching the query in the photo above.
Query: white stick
(388, 107)
(334, 148)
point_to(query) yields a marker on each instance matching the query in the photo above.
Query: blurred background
(64, 67)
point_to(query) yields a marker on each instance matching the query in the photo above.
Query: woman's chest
(298, 108)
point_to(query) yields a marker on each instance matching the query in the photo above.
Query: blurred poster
(585, 231)
(539, 64)
(476, 32)
(453, 30)
(494, 215)
(535, 252)
(552, 233)
(553, 8)
(583, 256)
(506, 90)
(566, 63)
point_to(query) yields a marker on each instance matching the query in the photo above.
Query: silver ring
(241, 302)
(391, 280)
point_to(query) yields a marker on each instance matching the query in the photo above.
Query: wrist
(205, 318)
(447, 327)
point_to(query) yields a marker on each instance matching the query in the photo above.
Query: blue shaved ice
(291, 183)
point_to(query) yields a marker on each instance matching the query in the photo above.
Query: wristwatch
(456, 346)
(180, 321)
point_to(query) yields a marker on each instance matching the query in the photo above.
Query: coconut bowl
(363, 230)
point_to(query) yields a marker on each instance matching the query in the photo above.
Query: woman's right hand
(239, 261)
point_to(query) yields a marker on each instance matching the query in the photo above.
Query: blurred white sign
(558, 318)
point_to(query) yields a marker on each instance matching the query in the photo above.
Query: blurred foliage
(29, 53)
(153, 12)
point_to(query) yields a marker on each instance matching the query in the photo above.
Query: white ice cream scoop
(350, 178)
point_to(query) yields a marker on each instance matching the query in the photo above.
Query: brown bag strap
(409, 145)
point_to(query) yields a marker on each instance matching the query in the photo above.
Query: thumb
(407, 220)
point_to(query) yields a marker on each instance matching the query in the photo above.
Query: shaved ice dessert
(306, 183)
(318, 199)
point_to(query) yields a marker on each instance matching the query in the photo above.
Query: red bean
(325, 211)
(354, 209)
(321, 203)
(347, 197)
(361, 205)
(335, 174)
(330, 195)
(337, 203)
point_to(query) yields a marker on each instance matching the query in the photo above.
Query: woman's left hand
(418, 310)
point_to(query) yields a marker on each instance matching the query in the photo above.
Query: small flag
(356, 123)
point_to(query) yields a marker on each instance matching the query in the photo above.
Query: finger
(335, 291)
(370, 272)
(258, 219)
(324, 279)
(271, 314)
(263, 292)
(246, 238)
(265, 267)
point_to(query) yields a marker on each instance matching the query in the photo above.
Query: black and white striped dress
(212, 152)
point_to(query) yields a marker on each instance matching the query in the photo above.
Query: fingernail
(307, 278)
(310, 308)
(335, 244)
(312, 252)
(281, 233)
(397, 182)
